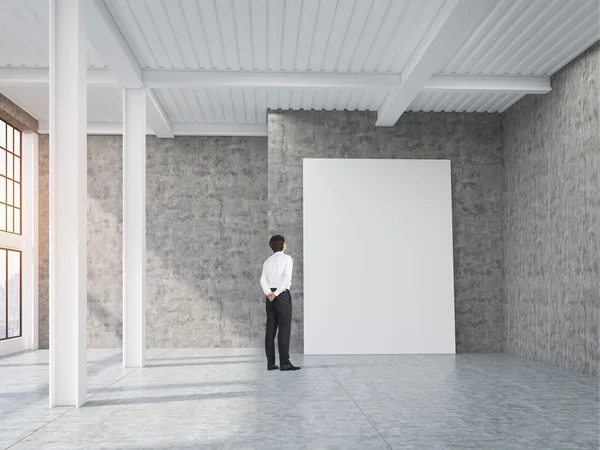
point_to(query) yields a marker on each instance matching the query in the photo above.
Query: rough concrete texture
(104, 235)
(206, 239)
(471, 141)
(551, 197)
(44, 240)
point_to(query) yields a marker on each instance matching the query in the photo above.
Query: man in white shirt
(276, 281)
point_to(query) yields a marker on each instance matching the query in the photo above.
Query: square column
(68, 203)
(134, 227)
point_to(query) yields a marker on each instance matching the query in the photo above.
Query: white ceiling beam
(157, 117)
(313, 80)
(296, 80)
(99, 128)
(488, 84)
(220, 129)
(452, 25)
(106, 37)
(179, 129)
(10, 76)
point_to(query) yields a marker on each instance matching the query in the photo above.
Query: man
(276, 281)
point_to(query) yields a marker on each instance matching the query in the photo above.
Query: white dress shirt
(277, 273)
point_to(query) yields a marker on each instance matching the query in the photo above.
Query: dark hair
(276, 243)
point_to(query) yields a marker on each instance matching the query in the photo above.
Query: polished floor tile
(225, 398)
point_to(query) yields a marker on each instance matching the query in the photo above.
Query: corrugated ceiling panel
(24, 31)
(249, 105)
(104, 102)
(533, 37)
(33, 99)
(516, 37)
(315, 35)
(463, 102)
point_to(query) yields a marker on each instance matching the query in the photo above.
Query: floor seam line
(38, 429)
(125, 376)
(356, 404)
(91, 397)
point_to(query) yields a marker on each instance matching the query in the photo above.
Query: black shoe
(288, 366)
(273, 367)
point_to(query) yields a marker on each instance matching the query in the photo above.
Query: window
(10, 294)
(10, 179)
(11, 231)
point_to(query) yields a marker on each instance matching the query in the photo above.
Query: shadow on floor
(186, 358)
(165, 399)
(185, 364)
(177, 386)
(23, 365)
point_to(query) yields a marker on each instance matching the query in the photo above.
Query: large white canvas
(378, 260)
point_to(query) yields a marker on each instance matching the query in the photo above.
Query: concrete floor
(195, 399)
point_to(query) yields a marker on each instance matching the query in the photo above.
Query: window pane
(9, 138)
(17, 194)
(17, 221)
(2, 162)
(10, 165)
(17, 142)
(2, 138)
(2, 294)
(17, 169)
(14, 294)
(9, 192)
(2, 189)
(9, 219)
(2, 218)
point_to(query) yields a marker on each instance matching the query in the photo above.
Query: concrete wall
(471, 141)
(206, 238)
(44, 242)
(208, 217)
(206, 241)
(552, 220)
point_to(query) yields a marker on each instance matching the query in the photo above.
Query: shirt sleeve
(264, 284)
(286, 282)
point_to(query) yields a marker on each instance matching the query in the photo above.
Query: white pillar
(68, 203)
(134, 227)
(29, 274)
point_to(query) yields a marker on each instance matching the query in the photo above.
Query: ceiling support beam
(491, 84)
(10, 76)
(293, 80)
(105, 36)
(455, 21)
(157, 117)
(309, 80)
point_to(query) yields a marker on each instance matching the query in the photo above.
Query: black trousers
(279, 317)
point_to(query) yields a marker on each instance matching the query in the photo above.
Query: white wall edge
(13, 345)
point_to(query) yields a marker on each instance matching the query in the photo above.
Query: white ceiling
(515, 37)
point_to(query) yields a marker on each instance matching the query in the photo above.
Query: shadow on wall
(206, 240)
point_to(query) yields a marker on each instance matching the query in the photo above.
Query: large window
(10, 294)
(10, 179)
(11, 229)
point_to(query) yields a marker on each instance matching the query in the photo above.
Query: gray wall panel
(471, 141)
(551, 205)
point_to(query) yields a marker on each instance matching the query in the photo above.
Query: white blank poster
(378, 264)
